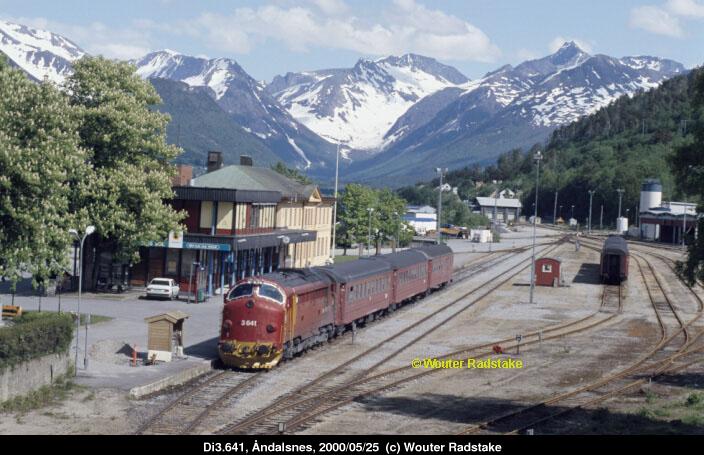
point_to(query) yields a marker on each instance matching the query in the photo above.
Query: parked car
(164, 288)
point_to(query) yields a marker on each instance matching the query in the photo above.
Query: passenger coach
(281, 314)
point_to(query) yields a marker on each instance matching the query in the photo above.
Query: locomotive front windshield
(240, 290)
(270, 292)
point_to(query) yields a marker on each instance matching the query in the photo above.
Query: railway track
(305, 405)
(184, 414)
(674, 345)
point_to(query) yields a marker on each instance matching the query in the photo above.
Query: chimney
(184, 174)
(246, 160)
(214, 161)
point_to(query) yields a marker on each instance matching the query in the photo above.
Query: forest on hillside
(616, 147)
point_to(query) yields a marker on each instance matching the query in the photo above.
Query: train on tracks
(614, 260)
(278, 315)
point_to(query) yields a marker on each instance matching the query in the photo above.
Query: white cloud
(559, 40)
(407, 27)
(687, 8)
(656, 20)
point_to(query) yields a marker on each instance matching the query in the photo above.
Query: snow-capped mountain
(40, 53)
(511, 107)
(357, 106)
(245, 100)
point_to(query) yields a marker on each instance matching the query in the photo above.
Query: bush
(35, 335)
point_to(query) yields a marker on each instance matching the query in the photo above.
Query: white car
(164, 288)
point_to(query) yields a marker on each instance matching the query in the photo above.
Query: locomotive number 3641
(249, 323)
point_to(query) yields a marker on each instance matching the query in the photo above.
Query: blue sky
(272, 37)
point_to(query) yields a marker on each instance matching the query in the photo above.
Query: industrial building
(505, 208)
(421, 218)
(664, 221)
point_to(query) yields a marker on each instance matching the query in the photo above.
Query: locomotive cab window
(547, 268)
(240, 290)
(270, 292)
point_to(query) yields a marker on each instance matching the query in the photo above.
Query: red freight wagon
(547, 272)
(440, 260)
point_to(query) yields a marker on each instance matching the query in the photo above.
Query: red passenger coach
(362, 288)
(410, 274)
(440, 263)
(278, 315)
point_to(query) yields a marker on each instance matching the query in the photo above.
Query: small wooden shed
(547, 272)
(165, 335)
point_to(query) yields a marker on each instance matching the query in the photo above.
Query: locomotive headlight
(270, 328)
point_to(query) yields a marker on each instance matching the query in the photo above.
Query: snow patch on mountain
(40, 53)
(357, 106)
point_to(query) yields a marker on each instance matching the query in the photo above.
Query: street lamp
(398, 231)
(439, 225)
(554, 211)
(620, 192)
(591, 195)
(369, 235)
(537, 157)
(334, 207)
(572, 216)
(89, 230)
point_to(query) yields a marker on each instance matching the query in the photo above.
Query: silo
(650, 196)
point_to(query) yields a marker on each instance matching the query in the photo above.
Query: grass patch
(95, 319)
(42, 397)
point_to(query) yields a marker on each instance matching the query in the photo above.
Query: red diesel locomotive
(281, 314)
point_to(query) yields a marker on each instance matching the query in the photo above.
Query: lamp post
(439, 221)
(398, 229)
(684, 222)
(620, 195)
(334, 208)
(89, 230)
(537, 157)
(369, 235)
(554, 211)
(572, 216)
(591, 196)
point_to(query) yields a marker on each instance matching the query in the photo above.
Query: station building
(241, 221)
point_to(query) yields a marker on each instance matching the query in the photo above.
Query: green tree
(129, 179)
(40, 154)
(353, 215)
(294, 174)
(389, 215)
(688, 168)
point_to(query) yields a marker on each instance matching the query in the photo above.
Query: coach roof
(615, 244)
(403, 259)
(354, 270)
(433, 251)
